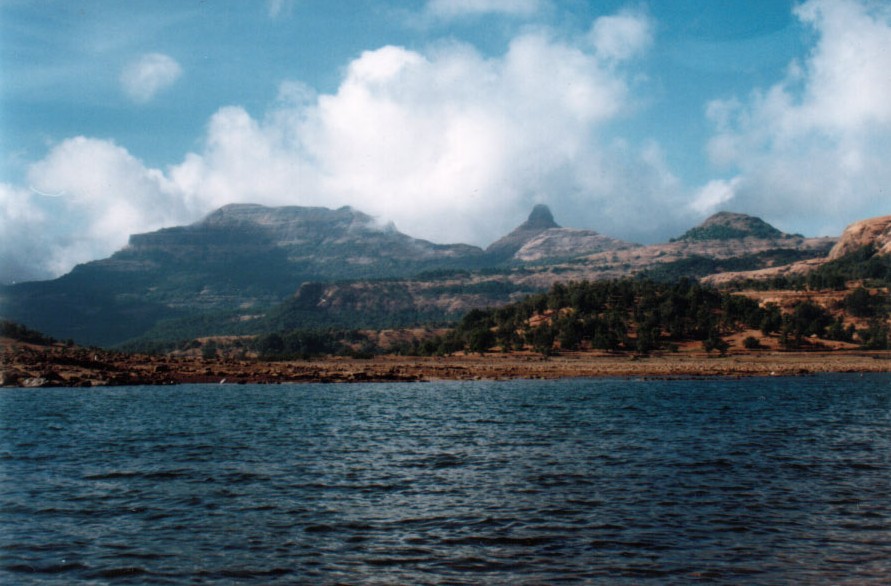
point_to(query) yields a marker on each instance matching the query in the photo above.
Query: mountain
(541, 238)
(540, 220)
(732, 226)
(247, 269)
(241, 258)
(309, 242)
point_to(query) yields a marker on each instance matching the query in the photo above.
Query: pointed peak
(541, 218)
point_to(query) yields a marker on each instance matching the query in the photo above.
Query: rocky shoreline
(61, 366)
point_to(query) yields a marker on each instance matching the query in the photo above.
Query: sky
(450, 119)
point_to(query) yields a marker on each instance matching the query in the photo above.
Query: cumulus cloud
(447, 143)
(143, 78)
(23, 228)
(714, 195)
(812, 150)
(85, 198)
(449, 9)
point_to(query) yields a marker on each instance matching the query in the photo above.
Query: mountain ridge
(228, 270)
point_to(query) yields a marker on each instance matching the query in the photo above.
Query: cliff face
(874, 232)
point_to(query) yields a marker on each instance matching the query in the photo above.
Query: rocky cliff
(875, 232)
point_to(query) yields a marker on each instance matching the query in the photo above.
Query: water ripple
(761, 481)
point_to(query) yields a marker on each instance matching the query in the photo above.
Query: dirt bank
(38, 366)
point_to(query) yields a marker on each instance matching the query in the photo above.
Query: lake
(757, 481)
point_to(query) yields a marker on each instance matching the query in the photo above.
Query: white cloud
(23, 230)
(622, 36)
(449, 9)
(143, 78)
(100, 195)
(449, 144)
(812, 150)
(715, 194)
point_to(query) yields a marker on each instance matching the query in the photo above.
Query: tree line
(643, 316)
(620, 316)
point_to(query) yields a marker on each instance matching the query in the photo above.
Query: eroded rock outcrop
(875, 232)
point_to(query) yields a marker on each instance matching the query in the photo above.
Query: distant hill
(731, 226)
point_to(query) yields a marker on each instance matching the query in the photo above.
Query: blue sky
(450, 118)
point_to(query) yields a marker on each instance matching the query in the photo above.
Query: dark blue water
(602, 481)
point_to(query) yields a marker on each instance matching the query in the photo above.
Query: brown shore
(60, 366)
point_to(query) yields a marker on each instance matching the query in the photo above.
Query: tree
(542, 339)
(771, 320)
(837, 331)
(480, 339)
(209, 350)
(876, 335)
(751, 343)
(569, 333)
(271, 345)
(809, 319)
(860, 303)
(646, 340)
(715, 342)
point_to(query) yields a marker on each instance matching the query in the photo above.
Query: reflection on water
(758, 480)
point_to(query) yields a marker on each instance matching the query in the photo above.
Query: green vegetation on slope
(643, 316)
(697, 266)
(20, 333)
(863, 265)
(729, 226)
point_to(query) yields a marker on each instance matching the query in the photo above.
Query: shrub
(751, 343)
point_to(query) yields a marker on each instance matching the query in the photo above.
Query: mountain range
(248, 268)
